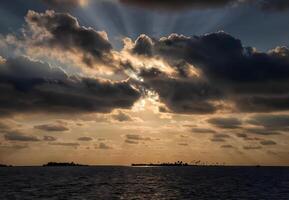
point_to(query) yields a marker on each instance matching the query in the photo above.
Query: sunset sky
(115, 82)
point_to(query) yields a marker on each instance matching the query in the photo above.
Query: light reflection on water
(144, 183)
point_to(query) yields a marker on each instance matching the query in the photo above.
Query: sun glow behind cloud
(158, 105)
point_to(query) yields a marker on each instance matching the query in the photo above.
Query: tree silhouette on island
(63, 164)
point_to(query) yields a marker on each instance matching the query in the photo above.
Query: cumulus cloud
(182, 95)
(62, 32)
(32, 86)
(229, 73)
(199, 74)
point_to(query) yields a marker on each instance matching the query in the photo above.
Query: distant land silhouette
(64, 164)
(175, 164)
(2, 165)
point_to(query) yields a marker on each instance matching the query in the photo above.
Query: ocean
(144, 183)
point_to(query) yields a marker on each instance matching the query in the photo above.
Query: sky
(115, 82)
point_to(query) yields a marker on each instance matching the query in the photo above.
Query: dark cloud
(121, 117)
(171, 5)
(181, 95)
(85, 139)
(18, 136)
(253, 81)
(225, 123)
(143, 46)
(49, 138)
(32, 86)
(268, 142)
(65, 33)
(52, 127)
(275, 5)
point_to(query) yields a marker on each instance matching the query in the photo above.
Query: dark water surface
(144, 183)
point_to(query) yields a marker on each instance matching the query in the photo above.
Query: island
(64, 164)
(175, 164)
(3, 165)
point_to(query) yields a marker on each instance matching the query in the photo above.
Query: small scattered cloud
(218, 140)
(225, 123)
(121, 117)
(262, 131)
(56, 127)
(131, 141)
(220, 137)
(85, 139)
(246, 137)
(268, 142)
(49, 138)
(67, 144)
(18, 136)
(271, 122)
(227, 146)
(252, 147)
(14, 147)
(103, 146)
(183, 144)
(202, 130)
(137, 137)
